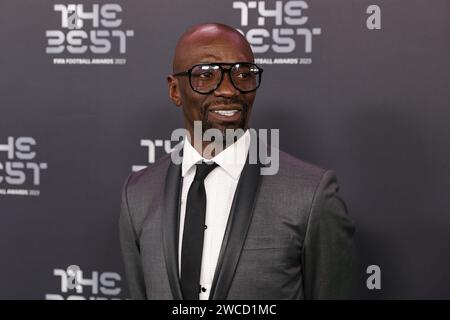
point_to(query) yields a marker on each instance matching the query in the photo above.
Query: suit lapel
(170, 226)
(236, 231)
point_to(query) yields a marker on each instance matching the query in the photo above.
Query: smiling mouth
(227, 113)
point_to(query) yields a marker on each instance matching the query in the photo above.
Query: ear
(174, 90)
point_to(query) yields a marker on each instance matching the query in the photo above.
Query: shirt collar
(232, 159)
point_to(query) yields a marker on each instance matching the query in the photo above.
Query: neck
(209, 149)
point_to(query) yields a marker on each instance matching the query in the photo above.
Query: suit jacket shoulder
(144, 190)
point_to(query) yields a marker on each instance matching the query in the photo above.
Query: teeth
(227, 113)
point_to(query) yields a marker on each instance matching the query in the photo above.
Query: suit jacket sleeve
(130, 249)
(329, 252)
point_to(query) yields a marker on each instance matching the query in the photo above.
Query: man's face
(204, 107)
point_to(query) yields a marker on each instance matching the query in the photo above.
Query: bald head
(212, 43)
(208, 41)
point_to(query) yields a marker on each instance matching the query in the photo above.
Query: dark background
(373, 105)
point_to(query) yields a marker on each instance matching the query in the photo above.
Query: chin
(223, 128)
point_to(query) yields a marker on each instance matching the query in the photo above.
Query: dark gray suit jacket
(288, 235)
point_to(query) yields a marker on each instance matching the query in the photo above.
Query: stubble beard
(241, 124)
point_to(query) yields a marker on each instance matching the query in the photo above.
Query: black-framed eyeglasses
(206, 77)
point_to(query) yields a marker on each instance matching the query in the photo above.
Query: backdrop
(358, 86)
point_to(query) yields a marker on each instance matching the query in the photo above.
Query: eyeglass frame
(223, 71)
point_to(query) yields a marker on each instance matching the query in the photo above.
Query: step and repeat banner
(361, 87)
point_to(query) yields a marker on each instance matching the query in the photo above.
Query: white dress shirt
(220, 186)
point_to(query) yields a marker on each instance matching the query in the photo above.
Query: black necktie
(194, 222)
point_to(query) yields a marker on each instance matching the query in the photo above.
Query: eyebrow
(209, 59)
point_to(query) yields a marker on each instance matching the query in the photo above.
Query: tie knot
(203, 169)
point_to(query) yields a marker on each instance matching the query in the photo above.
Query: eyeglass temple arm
(182, 73)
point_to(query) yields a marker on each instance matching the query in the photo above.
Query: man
(223, 230)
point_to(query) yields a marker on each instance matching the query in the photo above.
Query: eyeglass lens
(206, 78)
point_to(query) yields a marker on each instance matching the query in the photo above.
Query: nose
(226, 88)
